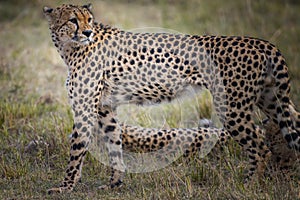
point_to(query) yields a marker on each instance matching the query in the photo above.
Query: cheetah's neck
(67, 49)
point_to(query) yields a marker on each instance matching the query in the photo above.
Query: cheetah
(108, 67)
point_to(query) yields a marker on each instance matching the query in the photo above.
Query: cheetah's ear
(88, 6)
(47, 12)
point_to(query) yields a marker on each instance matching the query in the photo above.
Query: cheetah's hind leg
(111, 142)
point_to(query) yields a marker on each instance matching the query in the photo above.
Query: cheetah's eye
(73, 20)
(90, 20)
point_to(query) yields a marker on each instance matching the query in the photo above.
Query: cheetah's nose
(87, 33)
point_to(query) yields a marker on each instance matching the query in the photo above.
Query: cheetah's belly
(143, 92)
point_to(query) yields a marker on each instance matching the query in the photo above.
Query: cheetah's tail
(288, 118)
(289, 123)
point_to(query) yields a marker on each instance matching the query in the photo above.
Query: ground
(35, 119)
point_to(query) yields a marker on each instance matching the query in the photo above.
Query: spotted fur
(109, 67)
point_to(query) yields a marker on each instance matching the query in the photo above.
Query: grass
(35, 118)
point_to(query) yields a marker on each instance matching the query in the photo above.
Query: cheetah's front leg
(79, 143)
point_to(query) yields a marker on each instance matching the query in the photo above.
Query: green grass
(35, 118)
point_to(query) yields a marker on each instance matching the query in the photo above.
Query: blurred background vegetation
(34, 107)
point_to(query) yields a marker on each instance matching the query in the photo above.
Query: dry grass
(35, 118)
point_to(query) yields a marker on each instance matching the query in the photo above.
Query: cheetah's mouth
(83, 39)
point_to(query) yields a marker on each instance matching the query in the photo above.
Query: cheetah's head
(71, 24)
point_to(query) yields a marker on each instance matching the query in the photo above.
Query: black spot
(235, 43)
(232, 104)
(284, 86)
(294, 136)
(75, 135)
(279, 110)
(231, 122)
(248, 131)
(248, 117)
(282, 75)
(271, 107)
(288, 138)
(234, 133)
(78, 125)
(169, 137)
(74, 147)
(225, 43)
(282, 124)
(279, 67)
(227, 60)
(161, 144)
(241, 128)
(243, 141)
(113, 121)
(109, 128)
(233, 115)
(102, 114)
